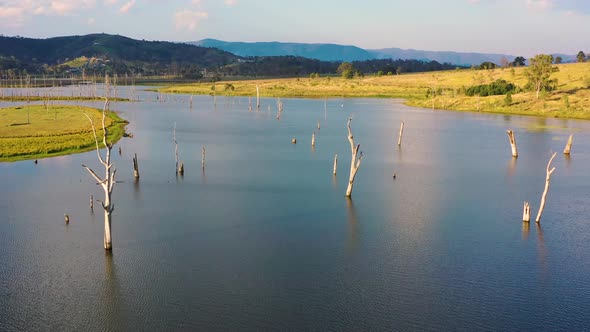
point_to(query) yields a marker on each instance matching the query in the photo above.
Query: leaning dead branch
(547, 180)
(401, 132)
(356, 159)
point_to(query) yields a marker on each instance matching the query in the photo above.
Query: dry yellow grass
(573, 82)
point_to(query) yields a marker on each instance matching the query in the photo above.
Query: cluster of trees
(279, 66)
(399, 66)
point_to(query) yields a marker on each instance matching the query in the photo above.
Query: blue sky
(517, 27)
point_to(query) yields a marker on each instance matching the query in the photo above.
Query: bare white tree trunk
(318, 125)
(179, 165)
(547, 180)
(355, 162)
(108, 182)
(526, 212)
(249, 103)
(512, 139)
(335, 164)
(313, 139)
(91, 202)
(257, 98)
(568, 146)
(401, 132)
(191, 102)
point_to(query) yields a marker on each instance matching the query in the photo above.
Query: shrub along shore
(459, 90)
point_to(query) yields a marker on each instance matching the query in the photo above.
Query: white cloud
(91, 21)
(539, 4)
(187, 19)
(126, 7)
(231, 2)
(110, 2)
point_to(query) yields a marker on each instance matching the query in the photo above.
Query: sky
(514, 27)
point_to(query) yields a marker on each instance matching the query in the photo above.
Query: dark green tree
(558, 60)
(539, 73)
(519, 61)
(581, 57)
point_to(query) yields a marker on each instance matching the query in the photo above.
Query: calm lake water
(264, 238)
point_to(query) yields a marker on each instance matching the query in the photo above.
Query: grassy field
(570, 100)
(32, 132)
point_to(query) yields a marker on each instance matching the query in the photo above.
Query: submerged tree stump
(335, 164)
(526, 212)
(568, 146)
(512, 139)
(135, 167)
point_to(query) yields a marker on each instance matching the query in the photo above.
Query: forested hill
(34, 53)
(97, 54)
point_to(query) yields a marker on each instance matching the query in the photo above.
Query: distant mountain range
(96, 54)
(335, 52)
(323, 52)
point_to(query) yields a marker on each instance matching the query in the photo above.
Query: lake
(264, 239)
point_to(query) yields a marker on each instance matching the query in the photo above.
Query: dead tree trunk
(249, 103)
(179, 166)
(92, 202)
(544, 196)
(280, 107)
(318, 125)
(257, 98)
(526, 212)
(512, 139)
(401, 132)
(108, 182)
(313, 139)
(135, 167)
(568, 146)
(203, 158)
(335, 164)
(356, 159)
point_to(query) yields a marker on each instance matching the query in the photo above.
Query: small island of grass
(33, 131)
